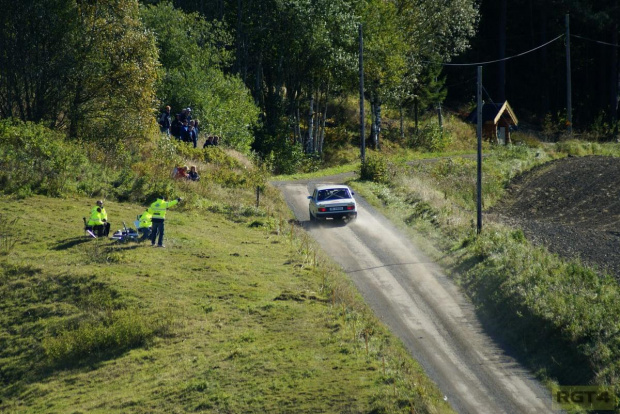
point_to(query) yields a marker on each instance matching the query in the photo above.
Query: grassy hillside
(239, 313)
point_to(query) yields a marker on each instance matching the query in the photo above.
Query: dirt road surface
(420, 304)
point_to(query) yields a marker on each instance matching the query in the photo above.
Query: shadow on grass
(72, 242)
(35, 304)
(125, 246)
(76, 241)
(38, 369)
(523, 336)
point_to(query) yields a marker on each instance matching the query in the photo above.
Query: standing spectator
(197, 129)
(185, 132)
(175, 127)
(165, 121)
(158, 212)
(188, 114)
(193, 174)
(192, 135)
(183, 115)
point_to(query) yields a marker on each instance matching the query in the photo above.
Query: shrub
(340, 156)
(553, 126)
(219, 157)
(35, 159)
(578, 148)
(116, 331)
(462, 134)
(527, 139)
(375, 169)
(432, 138)
(286, 159)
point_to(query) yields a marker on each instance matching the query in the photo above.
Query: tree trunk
(309, 142)
(290, 99)
(402, 125)
(373, 126)
(378, 124)
(415, 114)
(317, 123)
(297, 122)
(439, 115)
(322, 139)
(258, 82)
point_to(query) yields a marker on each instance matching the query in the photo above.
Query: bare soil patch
(571, 206)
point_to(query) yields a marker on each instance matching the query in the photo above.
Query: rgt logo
(588, 397)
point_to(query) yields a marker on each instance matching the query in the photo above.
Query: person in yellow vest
(144, 224)
(158, 213)
(99, 220)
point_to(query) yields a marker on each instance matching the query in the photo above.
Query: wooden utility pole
(479, 134)
(362, 131)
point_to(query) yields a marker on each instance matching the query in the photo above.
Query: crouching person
(144, 225)
(158, 212)
(98, 221)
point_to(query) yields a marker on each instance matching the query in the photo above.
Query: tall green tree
(384, 57)
(86, 67)
(194, 54)
(290, 53)
(414, 36)
(36, 58)
(295, 54)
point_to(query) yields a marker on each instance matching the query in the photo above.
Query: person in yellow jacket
(158, 213)
(99, 220)
(144, 224)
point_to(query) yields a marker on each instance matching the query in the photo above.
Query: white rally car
(332, 201)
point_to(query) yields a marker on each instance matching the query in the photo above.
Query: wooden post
(257, 195)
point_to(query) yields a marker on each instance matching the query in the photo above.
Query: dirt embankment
(572, 206)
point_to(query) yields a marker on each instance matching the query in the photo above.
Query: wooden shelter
(497, 119)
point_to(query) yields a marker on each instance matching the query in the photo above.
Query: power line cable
(499, 60)
(595, 41)
(488, 94)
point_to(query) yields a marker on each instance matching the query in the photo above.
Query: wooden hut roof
(493, 112)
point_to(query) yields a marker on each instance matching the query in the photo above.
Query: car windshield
(333, 194)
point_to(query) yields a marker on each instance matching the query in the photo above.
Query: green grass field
(233, 316)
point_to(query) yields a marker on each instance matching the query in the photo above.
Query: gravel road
(421, 305)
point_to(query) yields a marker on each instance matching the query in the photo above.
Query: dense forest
(265, 75)
(535, 83)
